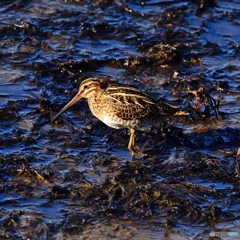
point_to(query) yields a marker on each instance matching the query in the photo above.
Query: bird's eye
(86, 86)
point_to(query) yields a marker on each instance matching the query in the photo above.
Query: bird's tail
(167, 109)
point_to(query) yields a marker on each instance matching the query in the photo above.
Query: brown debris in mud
(203, 98)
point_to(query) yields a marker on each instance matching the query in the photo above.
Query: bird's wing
(130, 103)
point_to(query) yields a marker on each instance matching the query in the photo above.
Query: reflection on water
(75, 178)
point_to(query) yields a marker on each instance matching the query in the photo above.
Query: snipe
(121, 106)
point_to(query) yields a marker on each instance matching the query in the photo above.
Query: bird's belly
(108, 120)
(136, 124)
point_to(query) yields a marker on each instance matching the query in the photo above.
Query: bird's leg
(131, 144)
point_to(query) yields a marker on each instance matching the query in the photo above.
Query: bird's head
(88, 88)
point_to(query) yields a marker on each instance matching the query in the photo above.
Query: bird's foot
(135, 151)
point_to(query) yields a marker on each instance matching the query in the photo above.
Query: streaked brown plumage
(121, 106)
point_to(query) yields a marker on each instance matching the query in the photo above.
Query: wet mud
(75, 178)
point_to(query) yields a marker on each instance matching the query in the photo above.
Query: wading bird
(121, 106)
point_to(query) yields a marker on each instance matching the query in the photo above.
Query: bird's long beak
(74, 100)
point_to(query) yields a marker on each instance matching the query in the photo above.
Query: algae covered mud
(75, 179)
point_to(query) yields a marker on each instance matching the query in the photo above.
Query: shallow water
(75, 179)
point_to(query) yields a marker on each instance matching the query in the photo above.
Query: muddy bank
(74, 178)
